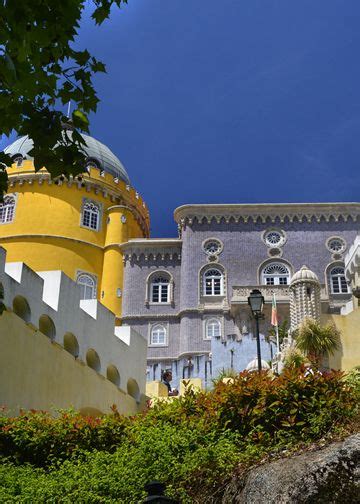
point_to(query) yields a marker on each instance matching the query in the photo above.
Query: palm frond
(314, 339)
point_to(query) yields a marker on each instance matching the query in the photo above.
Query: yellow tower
(75, 225)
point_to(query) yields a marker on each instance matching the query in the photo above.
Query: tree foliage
(315, 340)
(40, 72)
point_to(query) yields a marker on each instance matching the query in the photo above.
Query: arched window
(87, 286)
(90, 215)
(158, 335)
(160, 289)
(213, 328)
(7, 210)
(213, 282)
(18, 159)
(276, 274)
(338, 281)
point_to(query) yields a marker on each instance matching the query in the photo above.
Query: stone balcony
(240, 294)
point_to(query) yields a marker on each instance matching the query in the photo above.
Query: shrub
(192, 444)
(38, 438)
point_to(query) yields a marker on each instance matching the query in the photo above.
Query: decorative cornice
(158, 249)
(164, 316)
(270, 213)
(86, 183)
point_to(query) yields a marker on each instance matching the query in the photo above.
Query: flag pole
(274, 321)
(277, 339)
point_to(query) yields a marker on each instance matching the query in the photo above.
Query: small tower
(304, 297)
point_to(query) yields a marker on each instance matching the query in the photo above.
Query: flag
(274, 318)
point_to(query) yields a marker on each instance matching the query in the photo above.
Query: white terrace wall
(58, 352)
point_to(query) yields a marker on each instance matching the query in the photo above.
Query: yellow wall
(349, 326)
(37, 373)
(46, 233)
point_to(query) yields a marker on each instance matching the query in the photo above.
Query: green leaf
(80, 119)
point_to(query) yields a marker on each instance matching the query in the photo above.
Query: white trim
(206, 320)
(201, 281)
(99, 206)
(93, 277)
(340, 239)
(149, 284)
(269, 261)
(151, 326)
(6, 206)
(283, 237)
(212, 239)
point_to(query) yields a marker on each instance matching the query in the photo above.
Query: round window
(274, 238)
(336, 245)
(212, 247)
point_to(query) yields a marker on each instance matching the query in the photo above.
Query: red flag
(274, 318)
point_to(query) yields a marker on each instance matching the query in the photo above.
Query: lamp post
(256, 302)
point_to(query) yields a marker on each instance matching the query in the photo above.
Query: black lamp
(256, 302)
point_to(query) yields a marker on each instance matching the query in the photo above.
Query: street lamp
(256, 302)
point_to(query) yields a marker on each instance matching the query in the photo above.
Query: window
(213, 283)
(159, 290)
(338, 281)
(158, 335)
(87, 286)
(212, 247)
(7, 210)
(274, 238)
(336, 245)
(276, 274)
(213, 328)
(90, 215)
(18, 160)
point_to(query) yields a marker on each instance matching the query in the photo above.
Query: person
(166, 379)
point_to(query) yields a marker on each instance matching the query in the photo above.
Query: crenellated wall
(51, 337)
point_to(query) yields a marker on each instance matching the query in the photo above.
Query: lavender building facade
(188, 296)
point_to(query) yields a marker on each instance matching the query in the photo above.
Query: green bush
(38, 438)
(192, 444)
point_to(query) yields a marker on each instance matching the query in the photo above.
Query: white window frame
(209, 321)
(155, 326)
(275, 276)
(92, 212)
(83, 286)
(212, 279)
(339, 279)
(162, 287)
(7, 209)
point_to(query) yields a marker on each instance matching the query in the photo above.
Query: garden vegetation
(193, 444)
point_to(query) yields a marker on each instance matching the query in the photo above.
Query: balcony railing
(240, 294)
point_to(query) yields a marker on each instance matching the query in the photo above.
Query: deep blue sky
(231, 101)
